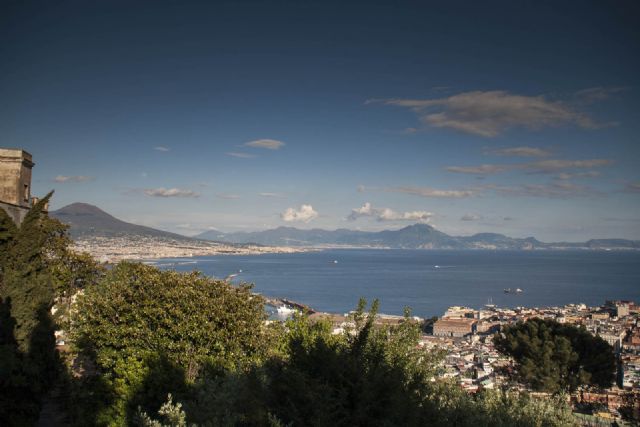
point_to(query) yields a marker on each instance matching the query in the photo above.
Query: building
(454, 327)
(15, 182)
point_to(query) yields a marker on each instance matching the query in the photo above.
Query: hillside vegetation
(156, 348)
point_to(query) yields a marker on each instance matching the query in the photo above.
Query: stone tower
(15, 182)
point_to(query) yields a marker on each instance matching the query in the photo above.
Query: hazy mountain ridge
(90, 221)
(417, 236)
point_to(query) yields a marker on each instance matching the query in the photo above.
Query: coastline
(142, 248)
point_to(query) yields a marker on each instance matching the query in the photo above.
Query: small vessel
(436, 266)
(335, 261)
(518, 290)
(283, 310)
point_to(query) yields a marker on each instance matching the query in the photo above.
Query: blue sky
(521, 119)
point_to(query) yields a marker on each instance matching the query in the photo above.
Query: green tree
(371, 375)
(150, 332)
(29, 363)
(554, 357)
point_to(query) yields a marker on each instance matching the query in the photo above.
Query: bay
(429, 281)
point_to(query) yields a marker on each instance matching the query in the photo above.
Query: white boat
(335, 261)
(283, 310)
(518, 290)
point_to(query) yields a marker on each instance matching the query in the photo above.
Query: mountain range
(417, 236)
(86, 220)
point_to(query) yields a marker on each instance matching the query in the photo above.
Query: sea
(429, 281)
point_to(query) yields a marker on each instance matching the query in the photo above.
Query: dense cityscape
(471, 359)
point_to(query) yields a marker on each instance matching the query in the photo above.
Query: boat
(335, 261)
(518, 290)
(283, 310)
(507, 290)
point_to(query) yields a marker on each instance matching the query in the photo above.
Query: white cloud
(521, 152)
(470, 217)
(241, 155)
(386, 214)
(491, 113)
(304, 214)
(269, 144)
(76, 178)
(170, 192)
(162, 148)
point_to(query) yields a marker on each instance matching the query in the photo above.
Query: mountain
(89, 220)
(417, 236)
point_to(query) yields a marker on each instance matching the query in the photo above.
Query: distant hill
(88, 220)
(417, 236)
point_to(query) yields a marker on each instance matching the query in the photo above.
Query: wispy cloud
(269, 144)
(273, 195)
(228, 196)
(424, 191)
(521, 152)
(540, 166)
(559, 189)
(633, 187)
(573, 175)
(306, 213)
(169, 192)
(162, 148)
(470, 217)
(491, 113)
(386, 214)
(241, 155)
(481, 169)
(596, 94)
(432, 192)
(75, 178)
(556, 165)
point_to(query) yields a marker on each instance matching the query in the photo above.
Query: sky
(520, 118)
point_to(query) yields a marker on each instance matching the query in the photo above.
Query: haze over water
(431, 281)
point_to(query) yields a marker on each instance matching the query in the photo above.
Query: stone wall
(15, 182)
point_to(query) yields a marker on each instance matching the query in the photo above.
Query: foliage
(171, 412)
(28, 361)
(372, 375)
(554, 357)
(368, 376)
(151, 331)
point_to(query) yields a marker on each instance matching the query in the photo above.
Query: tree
(151, 332)
(371, 375)
(28, 361)
(554, 357)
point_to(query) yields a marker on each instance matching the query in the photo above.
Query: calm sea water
(430, 281)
